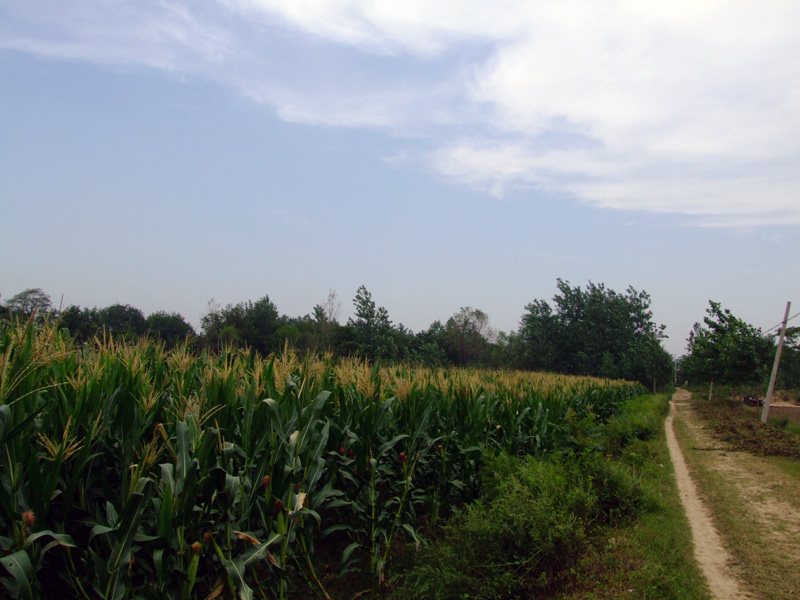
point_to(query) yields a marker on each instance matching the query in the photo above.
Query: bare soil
(766, 497)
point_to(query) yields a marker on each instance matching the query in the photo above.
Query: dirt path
(756, 493)
(714, 559)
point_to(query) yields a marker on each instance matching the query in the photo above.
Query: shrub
(640, 419)
(532, 523)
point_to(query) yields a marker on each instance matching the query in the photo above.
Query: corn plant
(129, 471)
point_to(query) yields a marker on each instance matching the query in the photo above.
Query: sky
(167, 153)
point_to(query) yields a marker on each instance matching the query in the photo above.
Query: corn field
(132, 472)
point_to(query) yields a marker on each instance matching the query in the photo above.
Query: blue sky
(164, 153)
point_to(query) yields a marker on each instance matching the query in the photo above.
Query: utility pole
(771, 388)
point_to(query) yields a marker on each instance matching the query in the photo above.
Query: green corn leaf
(259, 552)
(126, 533)
(6, 417)
(111, 515)
(339, 503)
(19, 565)
(319, 402)
(236, 573)
(334, 528)
(99, 530)
(387, 446)
(237, 569)
(167, 511)
(57, 539)
(161, 561)
(183, 459)
(348, 553)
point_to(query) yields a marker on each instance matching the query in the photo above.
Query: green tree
(82, 323)
(789, 372)
(466, 336)
(123, 319)
(595, 331)
(172, 328)
(372, 328)
(326, 321)
(251, 324)
(726, 349)
(539, 336)
(24, 304)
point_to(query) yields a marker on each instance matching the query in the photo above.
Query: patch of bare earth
(765, 498)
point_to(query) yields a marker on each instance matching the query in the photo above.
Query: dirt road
(757, 562)
(709, 550)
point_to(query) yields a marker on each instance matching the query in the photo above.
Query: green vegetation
(652, 556)
(142, 459)
(130, 470)
(563, 526)
(730, 352)
(727, 350)
(595, 331)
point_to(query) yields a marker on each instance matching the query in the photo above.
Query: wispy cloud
(690, 108)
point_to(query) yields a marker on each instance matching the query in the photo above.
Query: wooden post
(774, 375)
(710, 390)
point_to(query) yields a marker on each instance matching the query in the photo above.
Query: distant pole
(710, 390)
(771, 388)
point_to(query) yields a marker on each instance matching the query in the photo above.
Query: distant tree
(82, 324)
(211, 323)
(466, 336)
(123, 319)
(429, 346)
(261, 322)
(172, 328)
(595, 331)
(251, 324)
(539, 335)
(726, 349)
(24, 304)
(789, 372)
(372, 328)
(326, 320)
(300, 332)
(405, 344)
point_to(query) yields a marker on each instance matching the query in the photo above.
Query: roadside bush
(534, 519)
(509, 544)
(617, 487)
(640, 419)
(535, 515)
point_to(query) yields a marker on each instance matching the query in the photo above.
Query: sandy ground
(768, 497)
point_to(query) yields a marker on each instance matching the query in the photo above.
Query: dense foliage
(595, 331)
(132, 471)
(726, 349)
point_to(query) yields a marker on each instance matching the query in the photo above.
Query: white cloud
(678, 107)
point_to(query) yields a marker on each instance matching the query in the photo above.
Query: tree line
(585, 331)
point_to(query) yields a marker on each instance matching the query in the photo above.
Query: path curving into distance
(708, 549)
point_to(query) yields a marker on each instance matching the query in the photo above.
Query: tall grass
(127, 470)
